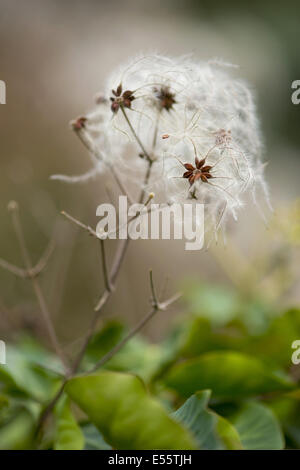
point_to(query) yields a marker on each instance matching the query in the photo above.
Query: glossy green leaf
(68, 435)
(126, 415)
(258, 428)
(210, 430)
(228, 374)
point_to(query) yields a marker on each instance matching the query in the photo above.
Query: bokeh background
(54, 58)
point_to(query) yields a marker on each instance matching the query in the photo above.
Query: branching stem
(13, 207)
(110, 280)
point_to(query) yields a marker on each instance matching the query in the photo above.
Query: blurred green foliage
(213, 383)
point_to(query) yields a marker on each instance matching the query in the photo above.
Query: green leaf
(68, 435)
(137, 355)
(36, 353)
(275, 344)
(210, 430)
(17, 432)
(196, 335)
(119, 405)
(93, 438)
(199, 336)
(25, 377)
(287, 410)
(258, 428)
(104, 340)
(228, 374)
(4, 402)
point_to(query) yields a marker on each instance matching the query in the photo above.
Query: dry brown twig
(31, 272)
(35, 270)
(156, 307)
(110, 276)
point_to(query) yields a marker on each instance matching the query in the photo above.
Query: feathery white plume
(194, 122)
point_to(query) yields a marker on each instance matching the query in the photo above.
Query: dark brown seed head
(199, 163)
(166, 97)
(78, 123)
(127, 94)
(115, 106)
(206, 169)
(118, 91)
(119, 99)
(194, 173)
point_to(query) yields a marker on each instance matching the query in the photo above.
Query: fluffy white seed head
(174, 112)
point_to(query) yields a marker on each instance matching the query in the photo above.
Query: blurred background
(55, 56)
